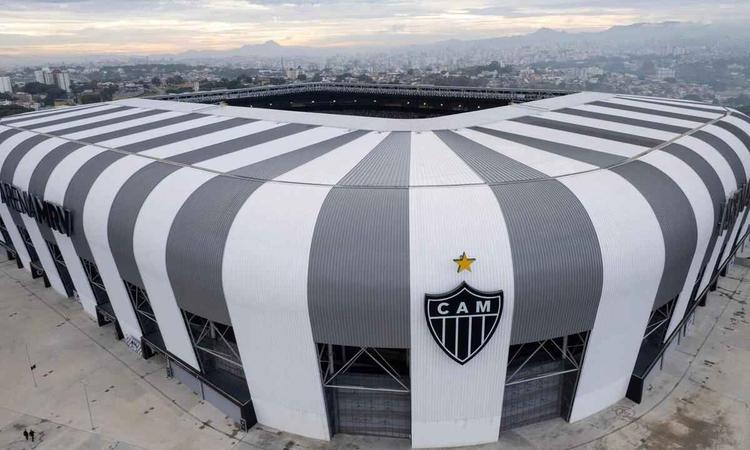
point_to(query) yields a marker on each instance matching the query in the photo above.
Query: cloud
(157, 26)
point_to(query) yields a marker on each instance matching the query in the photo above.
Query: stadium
(434, 264)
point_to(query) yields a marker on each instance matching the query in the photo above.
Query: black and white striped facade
(588, 211)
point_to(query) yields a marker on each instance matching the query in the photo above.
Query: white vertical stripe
(632, 249)
(575, 139)
(550, 164)
(744, 126)
(729, 183)
(121, 125)
(150, 248)
(5, 149)
(163, 131)
(454, 404)
(57, 186)
(265, 268)
(96, 219)
(611, 126)
(640, 116)
(700, 201)
(628, 233)
(66, 115)
(88, 121)
(434, 163)
(158, 213)
(21, 178)
(672, 109)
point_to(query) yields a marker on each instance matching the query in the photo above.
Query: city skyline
(86, 27)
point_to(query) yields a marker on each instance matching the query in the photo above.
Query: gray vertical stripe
(358, 277)
(16, 154)
(590, 131)
(41, 174)
(251, 140)
(74, 118)
(387, 166)
(195, 245)
(704, 170)
(624, 120)
(593, 157)
(713, 183)
(650, 111)
(78, 191)
(7, 134)
(683, 106)
(676, 220)
(557, 261)
(80, 185)
(177, 136)
(104, 123)
(742, 117)
(39, 115)
(124, 212)
(492, 166)
(141, 128)
(10, 164)
(679, 100)
(736, 131)
(726, 152)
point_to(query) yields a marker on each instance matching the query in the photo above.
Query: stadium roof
(561, 125)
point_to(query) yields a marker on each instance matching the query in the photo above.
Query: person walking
(31, 435)
(26, 434)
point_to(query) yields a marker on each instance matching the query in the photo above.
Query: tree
(302, 77)
(107, 93)
(9, 110)
(156, 81)
(53, 94)
(175, 80)
(35, 88)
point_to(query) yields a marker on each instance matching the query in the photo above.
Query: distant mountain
(618, 38)
(635, 36)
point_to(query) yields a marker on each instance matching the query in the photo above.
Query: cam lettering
(462, 307)
(50, 214)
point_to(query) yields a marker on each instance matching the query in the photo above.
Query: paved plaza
(89, 391)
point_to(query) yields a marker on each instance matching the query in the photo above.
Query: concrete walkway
(88, 391)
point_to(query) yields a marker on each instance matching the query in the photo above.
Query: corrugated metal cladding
(7, 134)
(676, 219)
(359, 256)
(140, 128)
(195, 247)
(10, 164)
(78, 117)
(124, 213)
(358, 280)
(91, 126)
(78, 191)
(556, 256)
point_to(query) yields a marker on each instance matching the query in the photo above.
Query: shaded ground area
(88, 391)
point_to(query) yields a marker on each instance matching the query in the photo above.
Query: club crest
(463, 320)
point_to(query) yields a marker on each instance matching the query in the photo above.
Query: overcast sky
(36, 27)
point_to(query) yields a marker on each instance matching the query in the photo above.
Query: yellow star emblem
(464, 262)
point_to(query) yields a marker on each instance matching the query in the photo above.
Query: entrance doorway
(367, 390)
(541, 380)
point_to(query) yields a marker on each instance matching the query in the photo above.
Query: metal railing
(520, 95)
